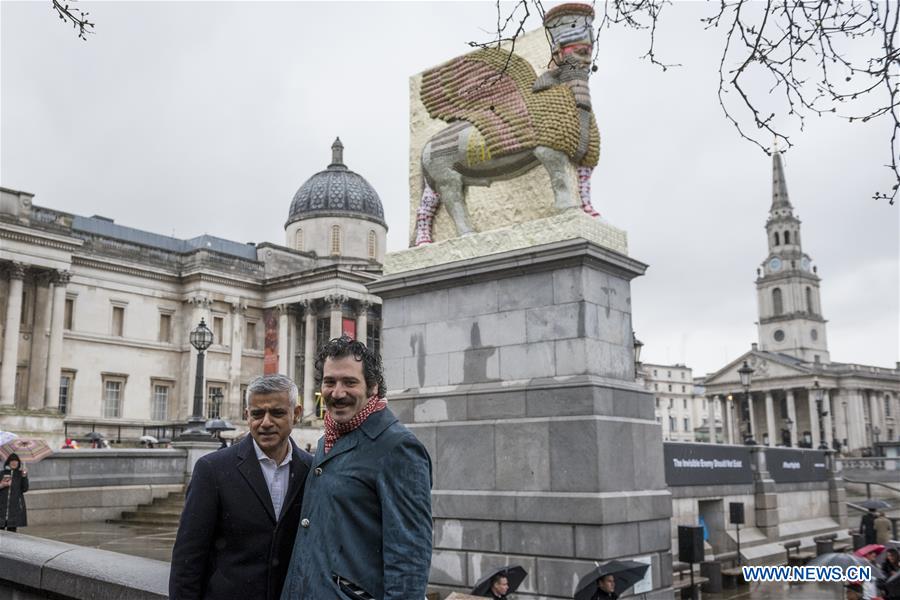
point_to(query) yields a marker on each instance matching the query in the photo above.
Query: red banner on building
(348, 328)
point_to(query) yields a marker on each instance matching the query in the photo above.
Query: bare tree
(76, 16)
(802, 48)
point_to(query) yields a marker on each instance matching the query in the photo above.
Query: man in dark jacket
(365, 528)
(867, 526)
(243, 504)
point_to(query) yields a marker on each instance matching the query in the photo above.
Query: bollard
(712, 570)
(859, 540)
(824, 547)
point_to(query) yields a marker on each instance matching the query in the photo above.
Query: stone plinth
(516, 370)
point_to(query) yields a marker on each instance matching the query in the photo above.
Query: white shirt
(277, 476)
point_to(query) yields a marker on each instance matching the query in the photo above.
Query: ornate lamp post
(786, 436)
(746, 375)
(820, 393)
(201, 339)
(638, 344)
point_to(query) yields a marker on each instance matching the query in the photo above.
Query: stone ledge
(47, 567)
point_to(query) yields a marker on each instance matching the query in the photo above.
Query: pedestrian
(867, 526)
(13, 485)
(883, 529)
(243, 504)
(891, 562)
(499, 587)
(365, 528)
(606, 588)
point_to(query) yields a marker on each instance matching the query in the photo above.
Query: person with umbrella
(610, 580)
(13, 485)
(883, 528)
(869, 552)
(499, 584)
(867, 526)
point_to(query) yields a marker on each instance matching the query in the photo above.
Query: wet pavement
(157, 542)
(145, 541)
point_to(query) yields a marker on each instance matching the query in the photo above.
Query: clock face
(779, 335)
(804, 264)
(775, 263)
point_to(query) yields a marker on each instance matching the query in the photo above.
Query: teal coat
(366, 516)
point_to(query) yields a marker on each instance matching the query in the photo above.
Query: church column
(236, 403)
(362, 322)
(54, 354)
(813, 417)
(774, 434)
(827, 419)
(727, 418)
(11, 335)
(711, 418)
(840, 416)
(337, 316)
(792, 415)
(40, 339)
(283, 340)
(294, 326)
(309, 358)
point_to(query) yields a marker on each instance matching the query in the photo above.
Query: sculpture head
(571, 31)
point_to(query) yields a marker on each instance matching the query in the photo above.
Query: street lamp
(822, 414)
(746, 375)
(201, 338)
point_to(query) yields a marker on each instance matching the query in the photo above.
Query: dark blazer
(366, 517)
(229, 544)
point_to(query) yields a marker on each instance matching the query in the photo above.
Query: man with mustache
(365, 527)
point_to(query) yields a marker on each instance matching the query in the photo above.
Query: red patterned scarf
(333, 430)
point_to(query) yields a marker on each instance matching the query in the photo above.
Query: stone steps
(162, 512)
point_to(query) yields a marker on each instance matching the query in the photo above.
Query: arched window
(787, 237)
(373, 244)
(777, 305)
(776, 239)
(809, 301)
(298, 240)
(336, 239)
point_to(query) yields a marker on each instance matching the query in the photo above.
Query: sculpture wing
(487, 88)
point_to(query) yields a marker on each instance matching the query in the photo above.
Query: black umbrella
(94, 436)
(514, 574)
(892, 585)
(626, 572)
(876, 504)
(219, 425)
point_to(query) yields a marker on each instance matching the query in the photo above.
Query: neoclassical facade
(95, 316)
(797, 395)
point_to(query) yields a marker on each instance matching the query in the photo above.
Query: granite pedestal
(516, 370)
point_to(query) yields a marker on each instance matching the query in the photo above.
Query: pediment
(766, 365)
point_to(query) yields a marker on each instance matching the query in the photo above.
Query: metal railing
(869, 485)
(875, 463)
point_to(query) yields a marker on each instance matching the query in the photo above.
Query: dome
(337, 192)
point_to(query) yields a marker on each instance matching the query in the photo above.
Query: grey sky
(191, 118)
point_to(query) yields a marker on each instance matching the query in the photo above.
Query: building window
(159, 407)
(657, 403)
(373, 337)
(215, 395)
(244, 403)
(809, 302)
(777, 243)
(684, 401)
(165, 327)
(23, 315)
(670, 387)
(787, 237)
(671, 403)
(683, 390)
(68, 313)
(687, 424)
(250, 335)
(887, 406)
(656, 386)
(777, 306)
(669, 374)
(373, 244)
(65, 393)
(654, 372)
(335, 239)
(323, 332)
(682, 374)
(673, 423)
(219, 331)
(298, 240)
(112, 398)
(118, 321)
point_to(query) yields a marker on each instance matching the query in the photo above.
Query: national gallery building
(95, 316)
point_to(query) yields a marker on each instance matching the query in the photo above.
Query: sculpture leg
(451, 193)
(425, 215)
(584, 190)
(557, 164)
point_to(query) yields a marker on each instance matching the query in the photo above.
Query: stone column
(284, 342)
(839, 399)
(757, 434)
(813, 417)
(362, 323)
(874, 421)
(54, 354)
(711, 418)
(40, 340)
(728, 417)
(829, 433)
(236, 403)
(336, 302)
(774, 433)
(294, 326)
(792, 415)
(309, 359)
(11, 335)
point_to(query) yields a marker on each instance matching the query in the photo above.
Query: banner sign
(706, 464)
(788, 465)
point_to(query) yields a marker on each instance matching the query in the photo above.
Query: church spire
(779, 185)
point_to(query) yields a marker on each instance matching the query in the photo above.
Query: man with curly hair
(365, 527)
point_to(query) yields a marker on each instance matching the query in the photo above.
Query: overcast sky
(190, 118)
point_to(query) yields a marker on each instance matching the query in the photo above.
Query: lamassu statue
(505, 120)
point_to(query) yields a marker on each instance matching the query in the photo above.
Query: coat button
(304, 523)
(318, 471)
